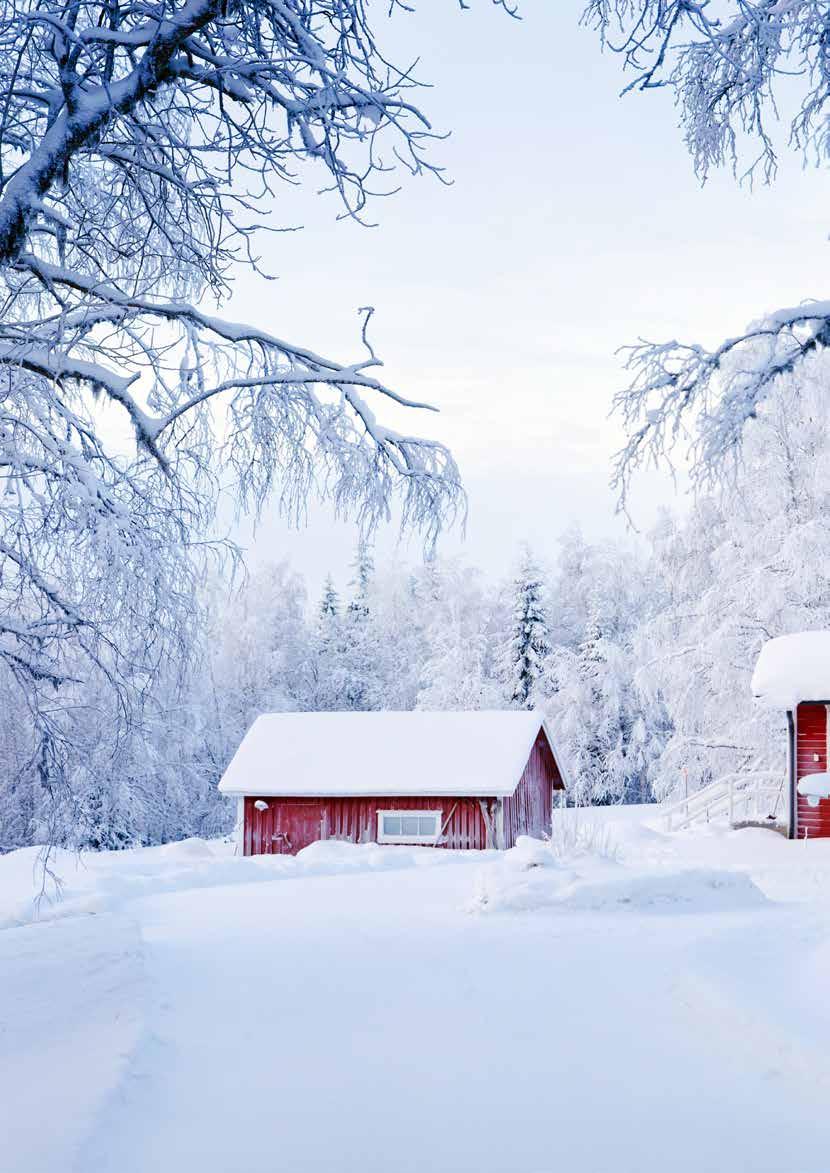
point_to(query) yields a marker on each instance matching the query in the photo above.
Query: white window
(408, 826)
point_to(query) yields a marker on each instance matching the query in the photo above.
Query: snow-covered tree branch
(141, 147)
(727, 66)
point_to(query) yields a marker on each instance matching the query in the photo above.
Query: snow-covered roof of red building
(793, 668)
(388, 753)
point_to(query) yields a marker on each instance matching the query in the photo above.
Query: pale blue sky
(575, 224)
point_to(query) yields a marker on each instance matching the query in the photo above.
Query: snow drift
(530, 876)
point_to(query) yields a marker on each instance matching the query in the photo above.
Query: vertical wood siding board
(509, 808)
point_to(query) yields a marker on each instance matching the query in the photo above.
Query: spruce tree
(529, 644)
(330, 602)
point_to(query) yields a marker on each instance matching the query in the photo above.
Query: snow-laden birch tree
(733, 68)
(141, 145)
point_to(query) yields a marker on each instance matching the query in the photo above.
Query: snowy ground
(641, 1003)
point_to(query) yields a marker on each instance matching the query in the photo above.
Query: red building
(793, 675)
(458, 780)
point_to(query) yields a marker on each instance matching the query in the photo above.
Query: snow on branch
(683, 391)
(142, 144)
(724, 64)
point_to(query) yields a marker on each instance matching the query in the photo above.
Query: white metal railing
(737, 797)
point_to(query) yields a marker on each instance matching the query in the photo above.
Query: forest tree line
(640, 653)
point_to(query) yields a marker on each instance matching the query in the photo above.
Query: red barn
(459, 780)
(793, 675)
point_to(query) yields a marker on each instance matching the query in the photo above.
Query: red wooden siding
(527, 811)
(289, 824)
(812, 822)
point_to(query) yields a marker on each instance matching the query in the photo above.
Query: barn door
(284, 828)
(296, 825)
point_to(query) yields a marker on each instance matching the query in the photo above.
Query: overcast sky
(574, 225)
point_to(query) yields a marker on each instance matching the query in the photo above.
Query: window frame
(434, 813)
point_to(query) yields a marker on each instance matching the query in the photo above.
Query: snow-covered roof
(793, 668)
(389, 753)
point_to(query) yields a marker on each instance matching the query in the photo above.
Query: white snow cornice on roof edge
(387, 753)
(793, 668)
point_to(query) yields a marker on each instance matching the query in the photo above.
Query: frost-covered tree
(258, 647)
(525, 653)
(459, 670)
(141, 147)
(748, 564)
(363, 643)
(330, 602)
(610, 735)
(732, 68)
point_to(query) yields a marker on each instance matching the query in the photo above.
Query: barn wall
(528, 810)
(296, 822)
(811, 738)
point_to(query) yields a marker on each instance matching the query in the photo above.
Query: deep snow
(634, 1001)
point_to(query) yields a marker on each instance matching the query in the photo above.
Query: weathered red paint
(530, 805)
(289, 824)
(812, 822)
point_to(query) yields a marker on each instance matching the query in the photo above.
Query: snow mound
(332, 855)
(530, 877)
(95, 882)
(701, 890)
